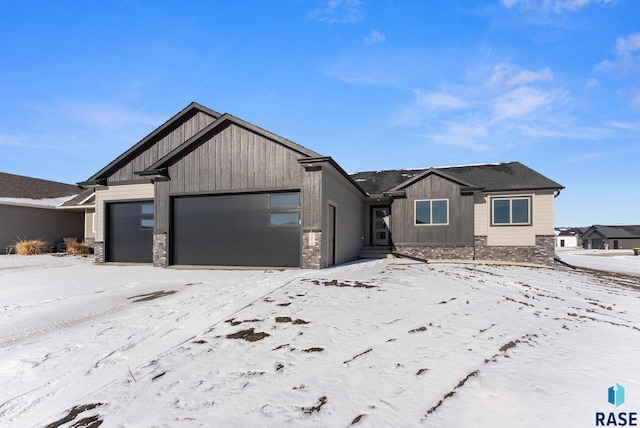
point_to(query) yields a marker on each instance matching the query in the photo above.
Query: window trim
(415, 212)
(528, 198)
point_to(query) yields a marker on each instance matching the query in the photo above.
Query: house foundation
(436, 252)
(541, 254)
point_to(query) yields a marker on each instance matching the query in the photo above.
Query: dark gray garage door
(261, 229)
(130, 232)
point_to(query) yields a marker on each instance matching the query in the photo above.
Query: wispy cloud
(338, 12)
(495, 105)
(552, 6)
(505, 74)
(374, 38)
(96, 115)
(626, 61)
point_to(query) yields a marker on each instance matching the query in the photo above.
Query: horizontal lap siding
(542, 220)
(459, 231)
(161, 147)
(131, 192)
(350, 216)
(38, 223)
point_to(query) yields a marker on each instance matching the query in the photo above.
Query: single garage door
(130, 232)
(258, 229)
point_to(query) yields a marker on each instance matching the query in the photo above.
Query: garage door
(130, 232)
(261, 229)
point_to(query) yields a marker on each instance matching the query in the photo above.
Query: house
(613, 237)
(569, 236)
(30, 208)
(207, 188)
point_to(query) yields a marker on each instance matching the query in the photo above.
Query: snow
(375, 343)
(621, 261)
(37, 203)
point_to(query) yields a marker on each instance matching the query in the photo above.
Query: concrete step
(375, 252)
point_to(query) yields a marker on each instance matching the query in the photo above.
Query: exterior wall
(542, 218)
(89, 224)
(160, 146)
(437, 252)
(459, 231)
(50, 225)
(160, 250)
(234, 160)
(131, 192)
(311, 249)
(350, 216)
(542, 253)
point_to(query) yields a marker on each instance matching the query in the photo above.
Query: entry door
(380, 217)
(331, 229)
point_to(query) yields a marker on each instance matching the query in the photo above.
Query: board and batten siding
(542, 220)
(350, 216)
(131, 192)
(160, 147)
(49, 225)
(459, 231)
(232, 160)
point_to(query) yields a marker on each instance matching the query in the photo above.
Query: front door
(380, 217)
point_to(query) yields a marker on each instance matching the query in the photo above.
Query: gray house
(30, 208)
(612, 237)
(211, 189)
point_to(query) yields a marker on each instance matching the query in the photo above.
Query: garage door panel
(128, 238)
(233, 230)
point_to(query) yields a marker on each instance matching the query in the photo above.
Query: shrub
(77, 248)
(30, 247)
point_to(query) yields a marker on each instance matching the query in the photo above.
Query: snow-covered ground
(376, 343)
(621, 261)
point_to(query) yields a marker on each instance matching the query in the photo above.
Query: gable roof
(19, 186)
(614, 231)
(220, 123)
(506, 176)
(148, 141)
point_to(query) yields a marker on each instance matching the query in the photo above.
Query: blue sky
(554, 84)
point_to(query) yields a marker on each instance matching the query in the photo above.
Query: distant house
(30, 208)
(207, 188)
(569, 236)
(611, 237)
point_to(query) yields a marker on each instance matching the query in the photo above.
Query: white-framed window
(429, 212)
(511, 211)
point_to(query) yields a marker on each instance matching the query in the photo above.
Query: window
(432, 212)
(511, 211)
(284, 219)
(284, 209)
(282, 200)
(147, 215)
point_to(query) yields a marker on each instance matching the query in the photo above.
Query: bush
(30, 247)
(77, 248)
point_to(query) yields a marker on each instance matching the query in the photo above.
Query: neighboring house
(210, 189)
(30, 209)
(613, 237)
(569, 236)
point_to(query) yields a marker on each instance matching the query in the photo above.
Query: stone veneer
(435, 252)
(311, 249)
(98, 251)
(541, 254)
(160, 249)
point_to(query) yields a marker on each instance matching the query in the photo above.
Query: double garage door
(258, 229)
